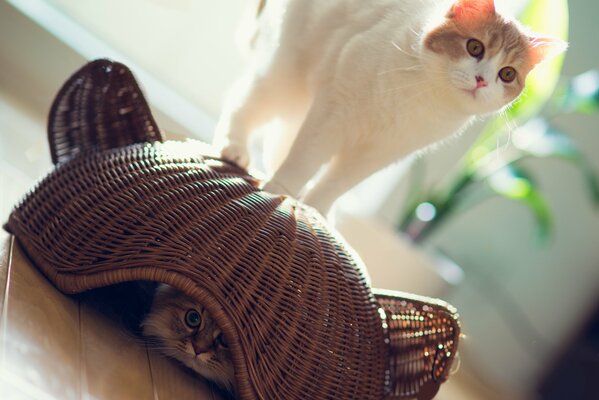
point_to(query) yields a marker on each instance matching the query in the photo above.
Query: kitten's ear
(468, 9)
(544, 48)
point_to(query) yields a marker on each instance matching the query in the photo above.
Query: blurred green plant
(499, 170)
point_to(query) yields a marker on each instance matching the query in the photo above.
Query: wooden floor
(54, 346)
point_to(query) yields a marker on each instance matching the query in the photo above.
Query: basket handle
(423, 335)
(99, 107)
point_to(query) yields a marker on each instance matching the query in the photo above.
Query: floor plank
(172, 382)
(39, 336)
(115, 366)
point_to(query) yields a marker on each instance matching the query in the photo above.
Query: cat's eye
(220, 339)
(193, 319)
(475, 48)
(507, 74)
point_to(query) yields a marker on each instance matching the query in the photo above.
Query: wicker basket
(291, 297)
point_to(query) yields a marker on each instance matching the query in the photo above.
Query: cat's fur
(203, 349)
(362, 84)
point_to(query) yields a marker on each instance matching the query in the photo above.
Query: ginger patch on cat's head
(486, 56)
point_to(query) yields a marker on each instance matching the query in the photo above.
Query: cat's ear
(544, 48)
(468, 9)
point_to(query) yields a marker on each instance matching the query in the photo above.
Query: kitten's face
(184, 330)
(482, 57)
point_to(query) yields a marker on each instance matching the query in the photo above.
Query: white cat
(363, 83)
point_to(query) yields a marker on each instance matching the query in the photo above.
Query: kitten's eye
(507, 74)
(220, 339)
(475, 48)
(193, 319)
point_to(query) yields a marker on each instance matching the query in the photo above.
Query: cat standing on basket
(361, 84)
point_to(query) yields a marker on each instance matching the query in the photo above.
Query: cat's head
(181, 328)
(483, 57)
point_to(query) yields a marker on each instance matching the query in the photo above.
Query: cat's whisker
(511, 126)
(422, 94)
(158, 344)
(406, 85)
(416, 67)
(162, 349)
(410, 84)
(402, 50)
(422, 84)
(138, 340)
(417, 34)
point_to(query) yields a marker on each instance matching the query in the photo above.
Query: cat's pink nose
(480, 82)
(199, 349)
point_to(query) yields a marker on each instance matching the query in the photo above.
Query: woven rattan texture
(101, 106)
(291, 297)
(423, 334)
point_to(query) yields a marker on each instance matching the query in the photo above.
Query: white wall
(189, 44)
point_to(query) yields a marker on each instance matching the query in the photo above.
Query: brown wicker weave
(289, 294)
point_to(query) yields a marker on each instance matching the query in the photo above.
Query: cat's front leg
(249, 105)
(318, 139)
(345, 171)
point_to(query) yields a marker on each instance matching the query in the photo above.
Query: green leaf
(538, 138)
(515, 183)
(549, 17)
(582, 94)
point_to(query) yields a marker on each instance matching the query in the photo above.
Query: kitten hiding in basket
(362, 84)
(183, 329)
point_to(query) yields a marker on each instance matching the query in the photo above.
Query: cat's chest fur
(367, 59)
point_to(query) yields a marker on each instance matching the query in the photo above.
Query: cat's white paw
(236, 153)
(276, 188)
